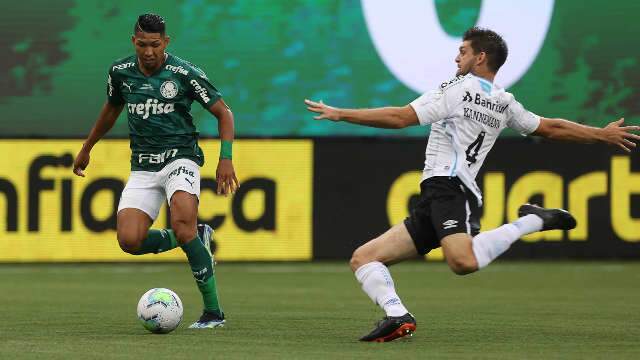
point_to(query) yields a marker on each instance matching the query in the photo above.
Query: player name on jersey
(482, 118)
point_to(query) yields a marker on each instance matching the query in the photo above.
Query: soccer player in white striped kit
(466, 115)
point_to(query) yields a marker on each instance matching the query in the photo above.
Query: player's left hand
(226, 178)
(325, 111)
(622, 136)
(81, 162)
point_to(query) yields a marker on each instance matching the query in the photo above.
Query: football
(160, 310)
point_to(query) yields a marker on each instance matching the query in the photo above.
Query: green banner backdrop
(571, 58)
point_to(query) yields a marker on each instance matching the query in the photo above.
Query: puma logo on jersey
(204, 95)
(151, 107)
(450, 224)
(467, 97)
(128, 86)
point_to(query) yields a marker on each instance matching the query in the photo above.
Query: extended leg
(466, 255)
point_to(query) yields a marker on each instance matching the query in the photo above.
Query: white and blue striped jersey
(466, 115)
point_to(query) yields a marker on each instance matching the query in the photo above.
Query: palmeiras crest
(169, 89)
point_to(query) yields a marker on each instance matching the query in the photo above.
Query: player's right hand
(81, 162)
(325, 111)
(618, 135)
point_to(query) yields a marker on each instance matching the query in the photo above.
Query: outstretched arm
(614, 133)
(225, 174)
(386, 117)
(108, 116)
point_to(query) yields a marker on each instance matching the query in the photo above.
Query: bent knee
(360, 257)
(463, 265)
(129, 243)
(184, 231)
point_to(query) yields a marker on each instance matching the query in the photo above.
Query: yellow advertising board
(501, 203)
(49, 214)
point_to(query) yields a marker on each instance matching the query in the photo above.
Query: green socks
(158, 241)
(202, 268)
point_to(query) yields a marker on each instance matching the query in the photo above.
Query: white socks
(528, 224)
(377, 283)
(489, 245)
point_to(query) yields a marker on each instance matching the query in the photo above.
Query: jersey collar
(166, 61)
(486, 85)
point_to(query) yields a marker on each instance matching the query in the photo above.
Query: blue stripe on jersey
(485, 85)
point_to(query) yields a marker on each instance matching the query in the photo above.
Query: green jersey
(158, 109)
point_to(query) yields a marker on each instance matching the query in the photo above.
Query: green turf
(317, 311)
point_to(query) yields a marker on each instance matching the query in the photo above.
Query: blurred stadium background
(316, 190)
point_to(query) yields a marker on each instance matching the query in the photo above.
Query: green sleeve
(114, 95)
(201, 89)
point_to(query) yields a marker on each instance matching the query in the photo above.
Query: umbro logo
(467, 97)
(450, 224)
(392, 301)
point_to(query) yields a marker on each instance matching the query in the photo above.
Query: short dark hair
(149, 23)
(489, 42)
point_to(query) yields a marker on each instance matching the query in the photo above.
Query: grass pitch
(510, 310)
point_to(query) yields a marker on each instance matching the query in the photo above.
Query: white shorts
(146, 190)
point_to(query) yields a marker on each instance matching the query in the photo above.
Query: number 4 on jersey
(475, 147)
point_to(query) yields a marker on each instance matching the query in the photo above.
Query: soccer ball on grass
(160, 310)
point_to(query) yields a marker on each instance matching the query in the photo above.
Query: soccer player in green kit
(157, 89)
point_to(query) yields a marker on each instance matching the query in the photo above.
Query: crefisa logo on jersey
(152, 106)
(110, 85)
(169, 89)
(177, 69)
(200, 91)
